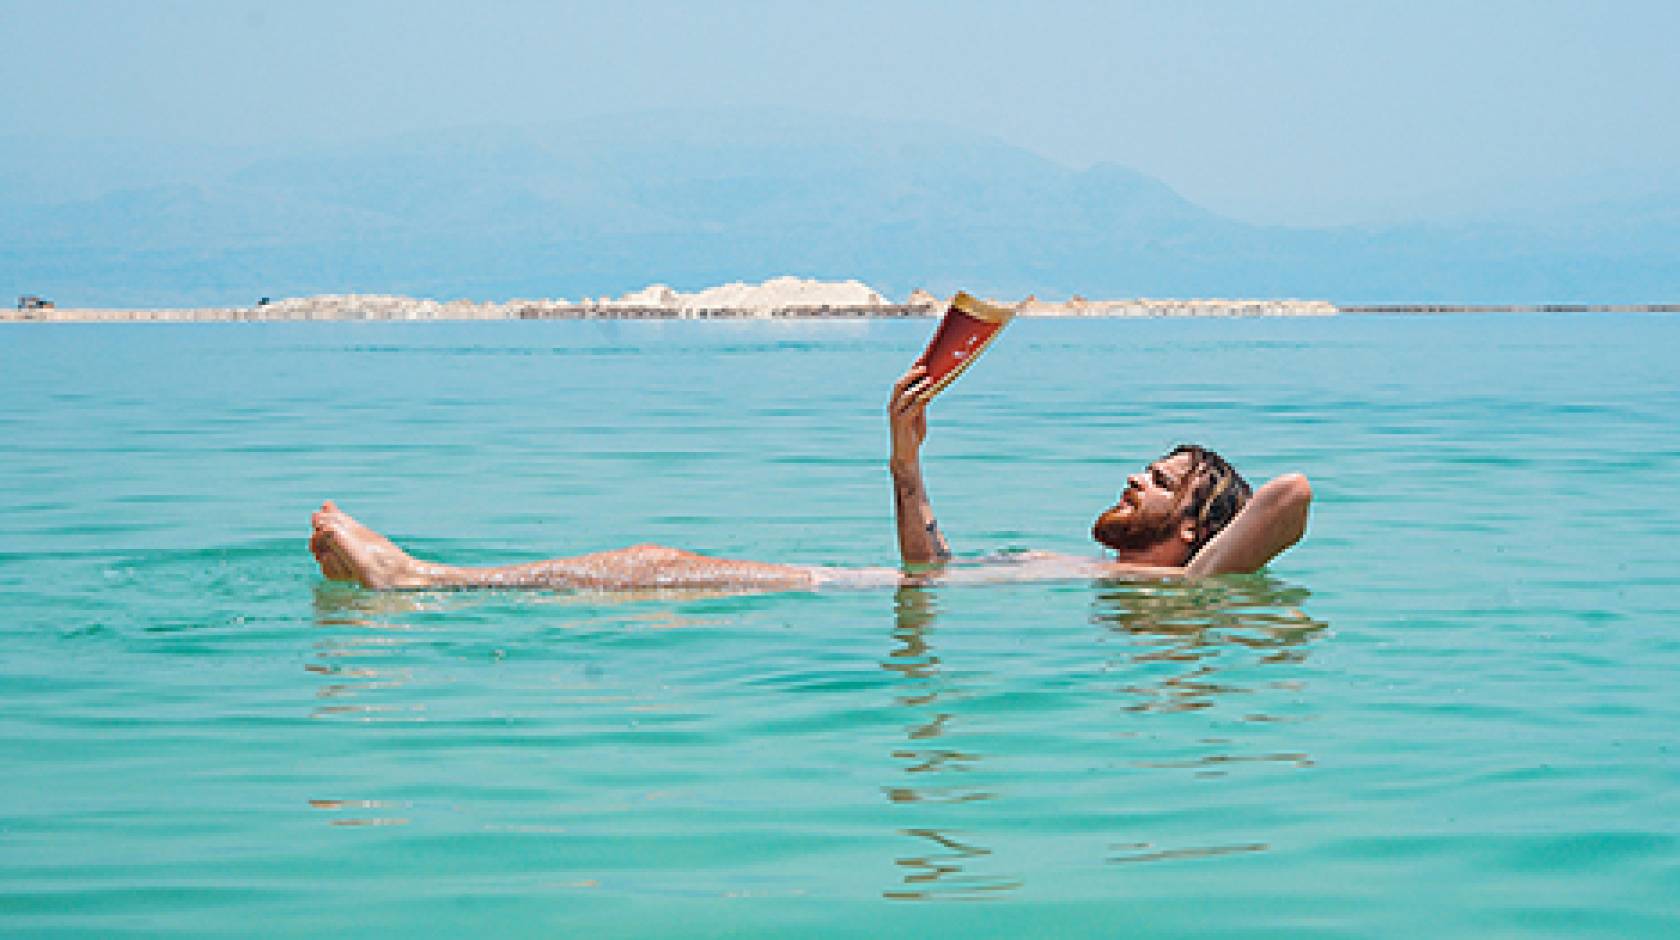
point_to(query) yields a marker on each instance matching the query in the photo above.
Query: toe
(332, 567)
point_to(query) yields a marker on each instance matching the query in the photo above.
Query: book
(967, 329)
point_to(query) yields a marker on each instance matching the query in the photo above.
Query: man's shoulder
(1129, 571)
(1085, 564)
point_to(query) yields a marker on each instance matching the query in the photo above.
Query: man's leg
(349, 551)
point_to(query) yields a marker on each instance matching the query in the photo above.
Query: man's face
(1150, 509)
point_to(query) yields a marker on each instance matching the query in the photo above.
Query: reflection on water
(912, 659)
(937, 870)
(938, 873)
(1187, 634)
(1184, 649)
(353, 659)
(928, 761)
(1190, 647)
(1141, 852)
(360, 630)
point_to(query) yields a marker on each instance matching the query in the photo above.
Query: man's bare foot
(350, 551)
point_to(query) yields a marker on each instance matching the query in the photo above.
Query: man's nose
(1135, 481)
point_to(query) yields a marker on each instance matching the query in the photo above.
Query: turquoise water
(1451, 711)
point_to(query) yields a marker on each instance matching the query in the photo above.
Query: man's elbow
(1294, 488)
(1293, 494)
(1284, 502)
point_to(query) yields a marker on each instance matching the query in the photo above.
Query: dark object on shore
(32, 302)
(262, 301)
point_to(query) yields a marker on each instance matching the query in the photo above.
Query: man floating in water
(1188, 514)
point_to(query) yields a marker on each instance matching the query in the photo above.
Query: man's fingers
(905, 380)
(920, 388)
(906, 397)
(910, 399)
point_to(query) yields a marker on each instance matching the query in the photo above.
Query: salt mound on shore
(653, 295)
(778, 293)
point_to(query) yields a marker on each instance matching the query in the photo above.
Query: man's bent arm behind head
(1274, 519)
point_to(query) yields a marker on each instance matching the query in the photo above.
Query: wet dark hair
(1217, 492)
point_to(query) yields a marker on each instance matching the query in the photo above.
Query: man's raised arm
(1274, 519)
(919, 538)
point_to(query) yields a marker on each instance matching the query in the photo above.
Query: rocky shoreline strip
(778, 298)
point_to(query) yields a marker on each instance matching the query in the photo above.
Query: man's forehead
(1177, 465)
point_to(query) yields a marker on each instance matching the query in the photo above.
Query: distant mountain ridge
(604, 206)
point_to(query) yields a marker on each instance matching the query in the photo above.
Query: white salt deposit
(653, 295)
(782, 292)
(778, 293)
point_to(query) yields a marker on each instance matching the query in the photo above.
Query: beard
(1131, 531)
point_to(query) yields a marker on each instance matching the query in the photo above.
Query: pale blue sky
(1306, 113)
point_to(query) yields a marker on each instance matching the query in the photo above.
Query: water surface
(1450, 712)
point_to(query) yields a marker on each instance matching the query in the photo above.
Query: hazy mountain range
(609, 205)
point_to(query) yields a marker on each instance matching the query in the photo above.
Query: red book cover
(968, 327)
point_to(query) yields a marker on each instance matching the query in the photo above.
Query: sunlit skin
(349, 551)
(1149, 523)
